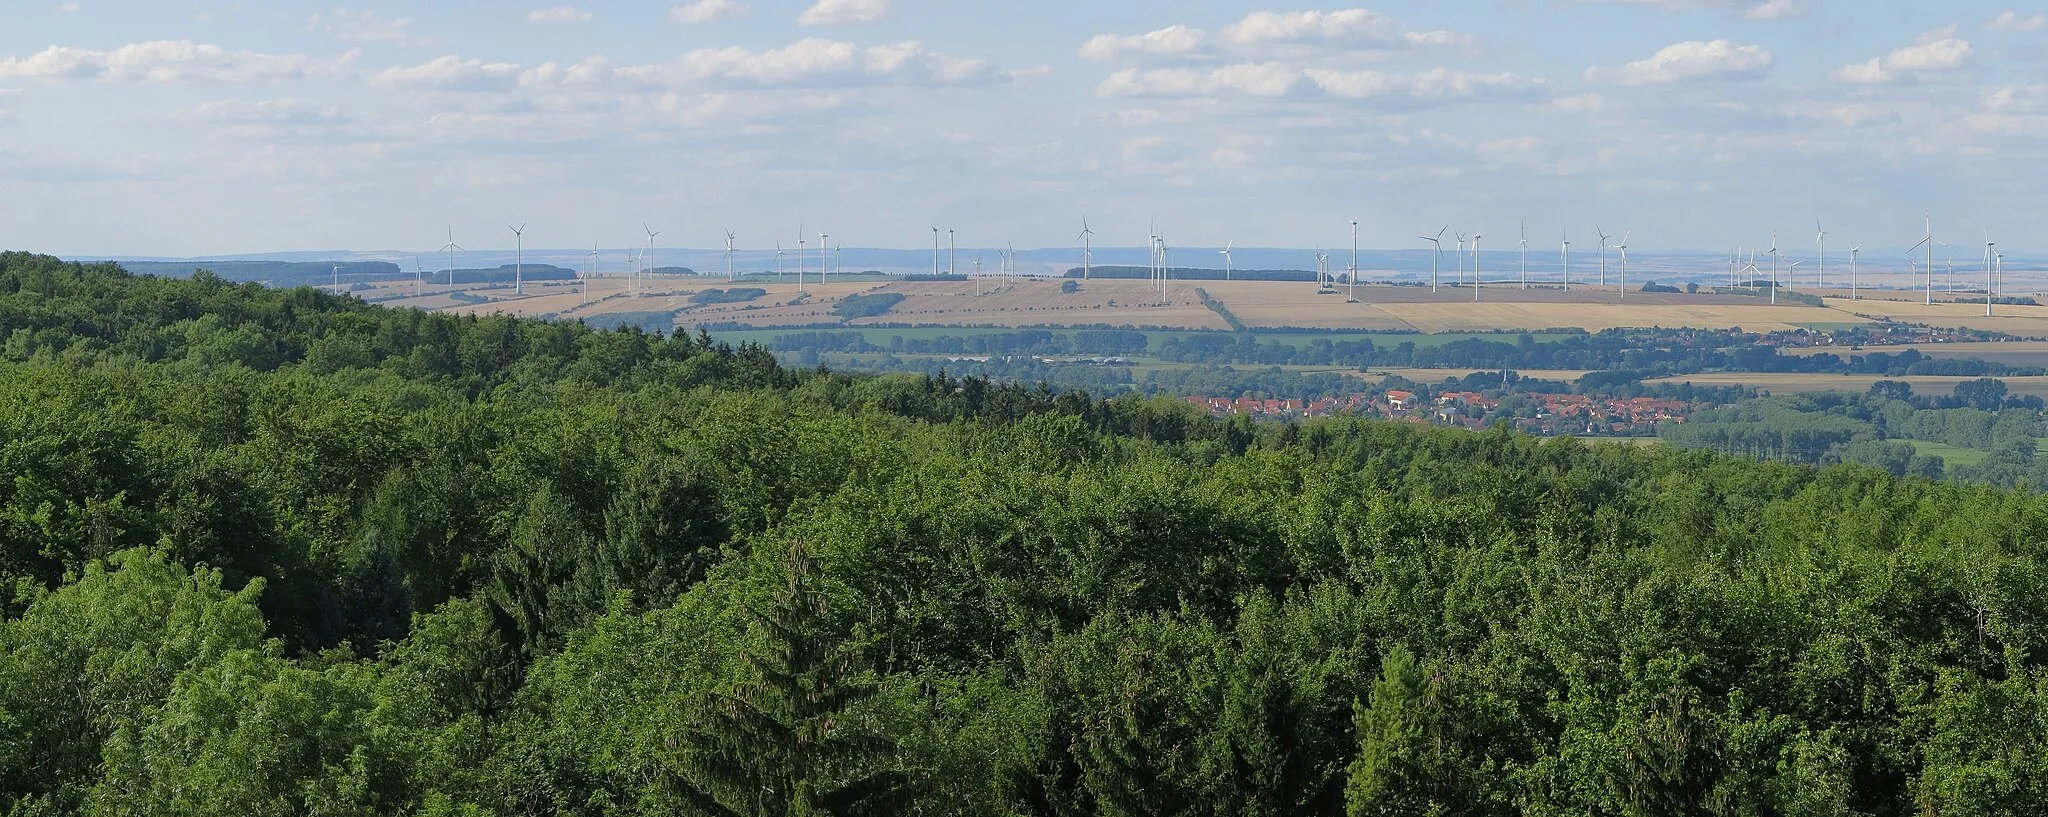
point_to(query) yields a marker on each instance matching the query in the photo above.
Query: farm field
(2014, 352)
(1433, 376)
(1950, 454)
(1792, 383)
(1258, 304)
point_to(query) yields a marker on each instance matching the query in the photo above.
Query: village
(1533, 412)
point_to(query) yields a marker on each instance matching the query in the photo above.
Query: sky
(215, 127)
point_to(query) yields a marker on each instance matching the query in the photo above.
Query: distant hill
(312, 273)
(1194, 274)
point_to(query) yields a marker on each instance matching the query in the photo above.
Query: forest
(280, 552)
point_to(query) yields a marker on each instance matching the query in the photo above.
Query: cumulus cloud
(1274, 80)
(811, 62)
(284, 111)
(1171, 41)
(166, 61)
(1686, 61)
(1348, 27)
(2012, 21)
(558, 14)
(707, 11)
(1932, 52)
(451, 73)
(68, 8)
(366, 26)
(1774, 10)
(844, 13)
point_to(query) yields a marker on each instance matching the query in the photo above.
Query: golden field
(1258, 304)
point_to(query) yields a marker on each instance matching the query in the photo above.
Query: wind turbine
(1226, 258)
(1623, 247)
(1775, 256)
(1950, 251)
(778, 260)
(1351, 290)
(953, 254)
(800, 256)
(1459, 257)
(824, 246)
(518, 258)
(1565, 253)
(451, 247)
(593, 263)
(1603, 255)
(638, 283)
(1929, 243)
(935, 251)
(1525, 255)
(1988, 245)
(1437, 256)
(1820, 274)
(337, 274)
(1087, 247)
(1475, 266)
(729, 275)
(1852, 270)
(419, 279)
(838, 262)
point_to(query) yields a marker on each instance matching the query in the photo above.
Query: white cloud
(451, 73)
(1774, 10)
(166, 61)
(2012, 21)
(811, 62)
(72, 8)
(1265, 35)
(285, 111)
(844, 13)
(1587, 103)
(1346, 27)
(1695, 60)
(366, 26)
(1273, 80)
(1175, 40)
(1933, 51)
(707, 11)
(558, 14)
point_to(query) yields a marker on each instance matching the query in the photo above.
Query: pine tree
(781, 743)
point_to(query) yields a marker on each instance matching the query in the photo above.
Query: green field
(1950, 455)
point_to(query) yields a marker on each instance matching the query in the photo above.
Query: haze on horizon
(218, 128)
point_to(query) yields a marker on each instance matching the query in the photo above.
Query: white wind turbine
(1623, 247)
(1793, 266)
(801, 257)
(730, 274)
(1820, 273)
(1226, 258)
(953, 254)
(518, 258)
(1525, 255)
(450, 248)
(778, 260)
(824, 246)
(1988, 245)
(1458, 258)
(645, 263)
(1087, 247)
(337, 273)
(593, 271)
(1603, 254)
(1437, 256)
(1852, 270)
(1949, 250)
(1475, 265)
(1927, 242)
(1351, 291)
(1565, 259)
(1775, 256)
(419, 278)
(935, 251)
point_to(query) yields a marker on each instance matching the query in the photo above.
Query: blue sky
(199, 127)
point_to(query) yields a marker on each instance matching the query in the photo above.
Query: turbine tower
(1775, 255)
(1565, 256)
(729, 274)
(641, 273)
(1623, 247)
(1475, 266)
(1226, 258)
(1351, 290)
(1603, 254)
(1459, 258)
(450, 248)
(1087, 247)
(953, 254)
(1525, 255)
(800, 254)
(935, 251)
(1852, 270)
(824, 246)
(1820, 273)
(1988, 249)
(419, 278)
(1436, 257)
(518, 258)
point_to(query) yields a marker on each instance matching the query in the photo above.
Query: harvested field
(2016, 353)
(1438, 375)
(1791, 383)
(2023, 321)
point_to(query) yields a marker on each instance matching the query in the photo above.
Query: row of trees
(592, 573)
